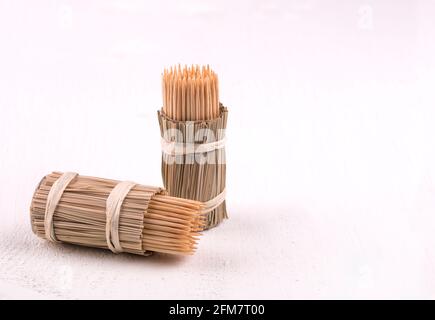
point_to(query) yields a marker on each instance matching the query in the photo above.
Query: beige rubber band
(53, 199)
(214, 203)
(179, 148)
(113, 211)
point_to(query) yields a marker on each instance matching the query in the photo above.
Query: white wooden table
(331, 152)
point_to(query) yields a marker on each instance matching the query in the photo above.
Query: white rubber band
(53, 199)
(179, 148)
(113, 211)
(214, 203)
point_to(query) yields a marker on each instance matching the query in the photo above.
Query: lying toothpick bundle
(120, 216)
(192, 126)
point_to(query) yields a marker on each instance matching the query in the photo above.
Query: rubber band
(212, 204)
(53, 199)
(113, 212)
(179, 148)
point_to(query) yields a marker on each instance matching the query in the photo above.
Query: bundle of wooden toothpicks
(109, 214)
(192, 126)
(124, 216)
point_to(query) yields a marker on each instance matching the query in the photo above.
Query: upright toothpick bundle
(108, 214)
(192, 125)
(191, 93)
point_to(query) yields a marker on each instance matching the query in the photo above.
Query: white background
(331, 153)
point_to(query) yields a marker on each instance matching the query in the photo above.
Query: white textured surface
(341, 93)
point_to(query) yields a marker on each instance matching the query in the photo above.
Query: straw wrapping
(189, 178)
